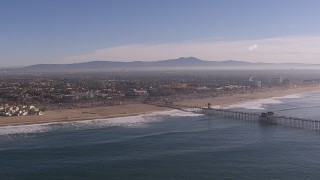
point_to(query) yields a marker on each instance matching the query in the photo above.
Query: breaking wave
(260, 104)
(126, 122)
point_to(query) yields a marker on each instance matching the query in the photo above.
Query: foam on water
(260, 104)
(129, 121)
(126, 122)
(256, 104)
(175, 113)
(24, 129)
(292, 96)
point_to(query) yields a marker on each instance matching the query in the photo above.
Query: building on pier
(268, 117)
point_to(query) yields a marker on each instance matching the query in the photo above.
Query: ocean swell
(125, 122)
(260, 104)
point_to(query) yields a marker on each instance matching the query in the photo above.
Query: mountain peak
(189, 59)
(184, 62)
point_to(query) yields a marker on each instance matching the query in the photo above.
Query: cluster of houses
(9, 111)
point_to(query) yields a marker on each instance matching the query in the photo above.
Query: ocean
(168, 145)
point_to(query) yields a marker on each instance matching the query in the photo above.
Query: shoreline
(70, 115)
(241, 98)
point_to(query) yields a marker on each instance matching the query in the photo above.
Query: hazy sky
(65, 31)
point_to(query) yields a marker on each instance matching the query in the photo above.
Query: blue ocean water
(167, 145)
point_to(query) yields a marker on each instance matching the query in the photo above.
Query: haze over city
(72, 31)
(159, 89)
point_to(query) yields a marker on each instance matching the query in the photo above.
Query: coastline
(240, 98)
(70, 115)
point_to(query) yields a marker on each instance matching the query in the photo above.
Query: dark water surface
(173, 145)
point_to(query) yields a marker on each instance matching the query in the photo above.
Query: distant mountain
(195, 62)
(182, 62)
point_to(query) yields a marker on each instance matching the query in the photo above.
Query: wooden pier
(264, 118)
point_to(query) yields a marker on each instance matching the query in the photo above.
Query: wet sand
(82, 114)
(138, 109)
(227, 100)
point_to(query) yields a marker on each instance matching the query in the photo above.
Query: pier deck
(293, 122)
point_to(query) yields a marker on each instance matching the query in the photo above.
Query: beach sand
(137, 109)
(82, 114)
(227, 100)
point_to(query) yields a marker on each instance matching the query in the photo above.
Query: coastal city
(159, 89)
(33, 94)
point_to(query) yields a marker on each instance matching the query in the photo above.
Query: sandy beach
(227, 100)
(138, 109)
(82, 114)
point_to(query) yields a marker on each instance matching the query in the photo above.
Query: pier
(263, 118)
